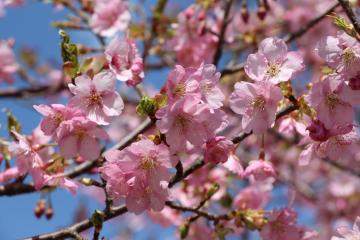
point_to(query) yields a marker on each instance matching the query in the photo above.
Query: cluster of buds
(263, 8)
(42, 208)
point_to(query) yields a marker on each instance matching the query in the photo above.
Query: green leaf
(69, 54)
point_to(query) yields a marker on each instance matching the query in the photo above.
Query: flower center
(94, 98)
(80, 132)
(58, 118)
(273, 69)
(348, 56)
(332, 100)
(179, 90)
(206, 87)
(259, 103)
(147, 163)
(182, 121)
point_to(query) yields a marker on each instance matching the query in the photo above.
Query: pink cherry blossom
(289, 125)
(97, 97)
(55, 115)
(124, 60)
(61, 180)
(347, 233)
(333, 101)
(110, 16)
(189, 121)
(28, 159)
(192, 44)
(341, 52)
(273, 62)
(218, 149)
(79, 136)
(201, 81)
(257, 103)
(140, 174)
(255, 196)
(282, 226)
(8, 174)
(180, 83)
(8, 65)
(260, 169)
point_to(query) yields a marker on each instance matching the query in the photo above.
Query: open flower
(333, 101)
(349, 234)
(341, 53)
(189, 121)
(139, 173)
(54, 115)
(273, 62)
(79, 136)
(257, 103)
(110, 16)
(97, 97)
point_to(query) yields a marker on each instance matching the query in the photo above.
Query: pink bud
(354, 82)
(317, 131)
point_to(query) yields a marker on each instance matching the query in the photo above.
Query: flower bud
(49, 213)
(354, 82)
(261, 12)
(317, 131)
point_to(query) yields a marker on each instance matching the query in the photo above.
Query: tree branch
(345, 4)
(223, 28)
(289, 38)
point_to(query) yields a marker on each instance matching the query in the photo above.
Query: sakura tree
(250, 132)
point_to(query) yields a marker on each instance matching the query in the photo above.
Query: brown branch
(223, 28)
(78, 227)
(289, 38)
(20, 188)
(345, 4)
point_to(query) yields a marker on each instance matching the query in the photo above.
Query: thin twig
(289, 38)
(345, 4)
(223, 28)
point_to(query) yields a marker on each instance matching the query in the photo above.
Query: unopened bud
(184, 230)
(38, 212)
(261, 12)
(49, 213)
(354, 82)
(244, 13)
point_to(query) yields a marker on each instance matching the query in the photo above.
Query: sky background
(30, 26)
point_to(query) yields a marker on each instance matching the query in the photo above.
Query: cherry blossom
(28, 159)
(347, 233)
(189, 121)
(218, 149)
(260, 170)
(8, 65)
(124, 60)
(79, 136)
(97, 97)
(333, 101)
(273, 62)
(140, 174)
(341, 52)
(55, 115)
(110, 16)
(257, 103)
(282, 226)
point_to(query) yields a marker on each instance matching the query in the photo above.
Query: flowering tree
(209, 150)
